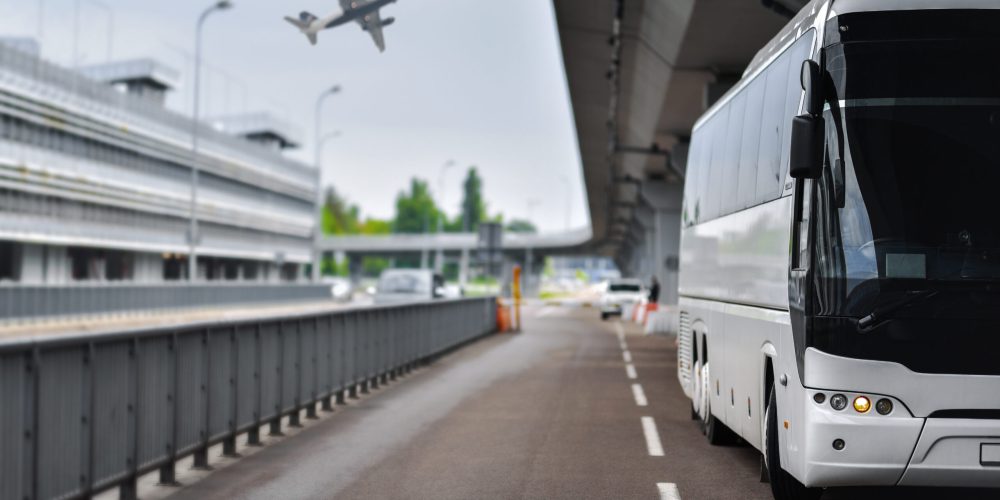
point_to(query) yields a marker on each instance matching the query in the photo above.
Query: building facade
(95, 182)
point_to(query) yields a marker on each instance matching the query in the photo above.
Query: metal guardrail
(83, 414)
(26, 303)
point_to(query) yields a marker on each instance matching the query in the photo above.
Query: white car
(341, 289)
(621, 293)
(408, 285)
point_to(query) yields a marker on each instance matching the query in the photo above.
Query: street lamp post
(439, 260)
(320, 140)
(193, 236)
(529, 254)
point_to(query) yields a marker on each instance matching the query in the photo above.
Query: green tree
(473, 206)
(416, 211)
(338, 216)
(521, 226)
(376, 226)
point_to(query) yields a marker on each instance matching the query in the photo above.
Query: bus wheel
(783, 485)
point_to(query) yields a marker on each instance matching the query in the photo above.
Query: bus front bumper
(956, 452)
(898, 449)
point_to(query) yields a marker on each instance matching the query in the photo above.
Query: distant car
(620, 293)
(408, 285)
(341, 289)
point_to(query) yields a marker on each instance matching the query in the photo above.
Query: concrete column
(664, 199)
(57, 265)
(32, 264)
(463, 268)
(148, 268)
(528, 272)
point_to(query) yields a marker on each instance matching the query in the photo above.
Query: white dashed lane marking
(627, 356)
(630, 371)
(653, 444)
(639, 394)
(668, 491)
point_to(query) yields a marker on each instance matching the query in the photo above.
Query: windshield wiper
(882, 314)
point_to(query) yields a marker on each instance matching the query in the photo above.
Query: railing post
(201, 454)
(328, 354)
(229, 443)
(128, 489)
(293, 418)
(313, 393)
(88, 397)
(275, 424)
(253, 435)
(168, 474)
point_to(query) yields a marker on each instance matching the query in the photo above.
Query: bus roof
(807, 19)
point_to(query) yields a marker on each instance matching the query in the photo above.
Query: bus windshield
(910, 193)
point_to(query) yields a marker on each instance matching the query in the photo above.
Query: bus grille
(684, 346)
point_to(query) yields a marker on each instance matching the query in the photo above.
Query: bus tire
(783, 485)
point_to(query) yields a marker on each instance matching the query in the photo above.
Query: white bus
(840, 255)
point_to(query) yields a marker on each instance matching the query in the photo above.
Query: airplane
(365, 12)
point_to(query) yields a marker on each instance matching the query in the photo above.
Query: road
(549, 413)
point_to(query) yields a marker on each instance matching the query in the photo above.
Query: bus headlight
(838, 402)
(862, 404)
(884, 406)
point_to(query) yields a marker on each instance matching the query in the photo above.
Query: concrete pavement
(571, 408)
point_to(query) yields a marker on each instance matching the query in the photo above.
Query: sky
(471, 82)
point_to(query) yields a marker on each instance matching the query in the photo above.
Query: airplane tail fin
(303, 23)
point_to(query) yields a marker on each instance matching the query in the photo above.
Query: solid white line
(630, 371)
(652, 437)
(627, 356)
(639, 394)
(668, 491)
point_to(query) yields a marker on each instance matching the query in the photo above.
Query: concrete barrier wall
(83, 414)
(26, 303)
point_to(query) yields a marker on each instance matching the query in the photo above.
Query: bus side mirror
(806, 161)
(812, 84)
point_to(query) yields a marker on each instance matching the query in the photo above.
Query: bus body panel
(741, 258)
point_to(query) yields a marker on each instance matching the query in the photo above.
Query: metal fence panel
(85, 413)
(307, 360)
(191, 390)
(46, 302)
(13, 394)
(248, 385)
(62, 420)
(324, 356)
(289, 365)
(109, 410)
(270, 370)
(221, 382)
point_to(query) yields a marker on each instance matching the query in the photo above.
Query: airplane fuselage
(346, 16)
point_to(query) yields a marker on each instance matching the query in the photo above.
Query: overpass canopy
(640, 73)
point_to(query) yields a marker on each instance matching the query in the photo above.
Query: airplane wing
(372, 23)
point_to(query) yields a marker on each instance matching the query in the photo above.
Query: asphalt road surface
(571, 408)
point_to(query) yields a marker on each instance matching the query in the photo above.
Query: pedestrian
(654, 291)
